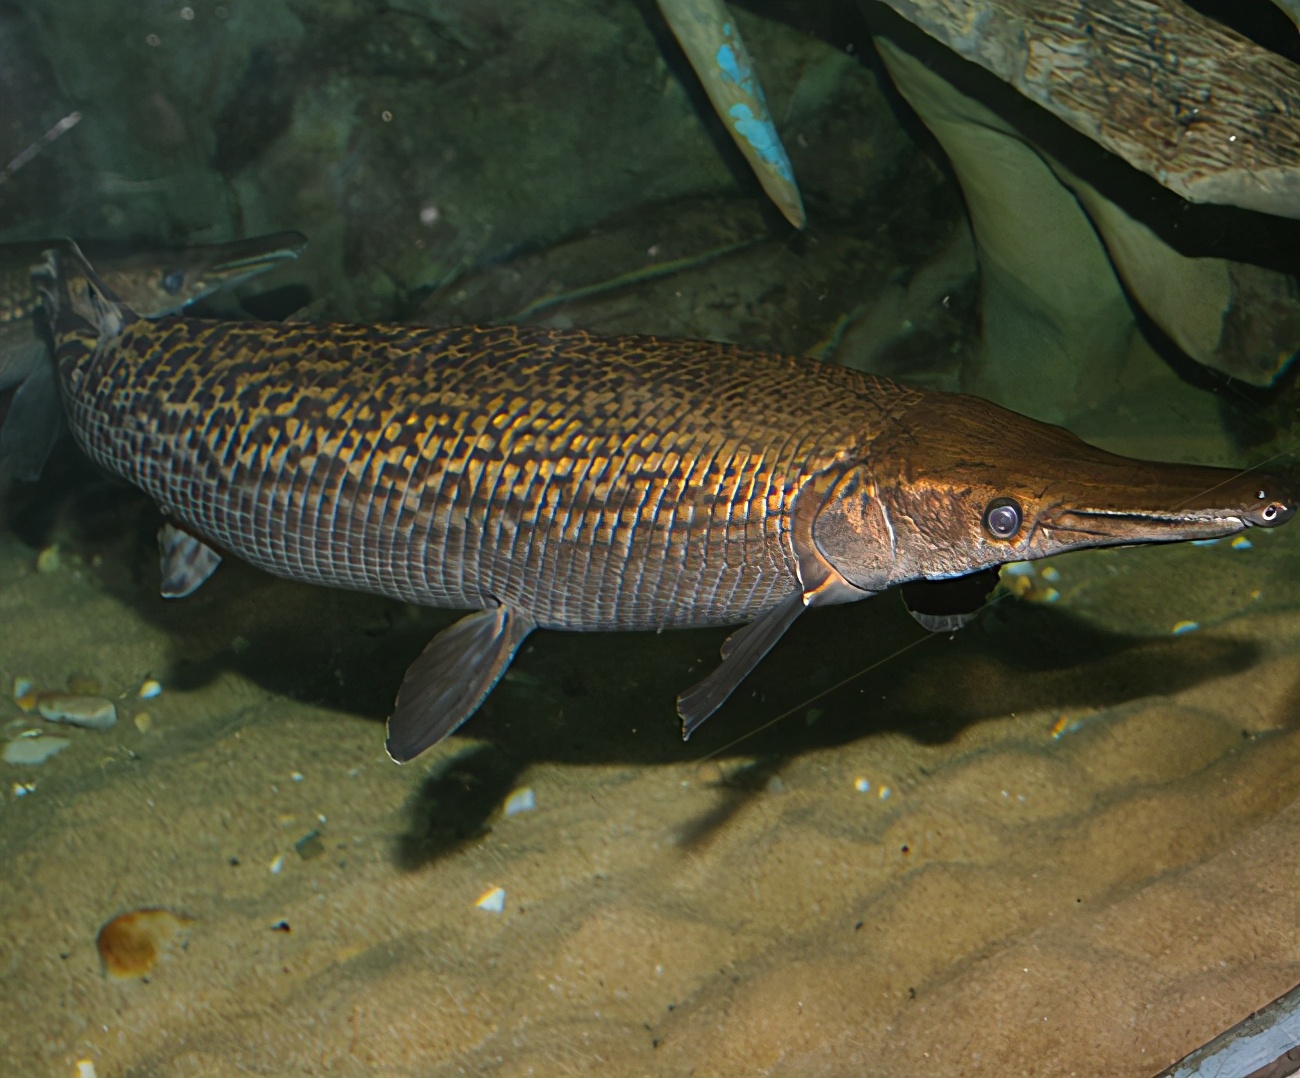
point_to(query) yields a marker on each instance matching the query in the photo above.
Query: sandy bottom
(1064, 842)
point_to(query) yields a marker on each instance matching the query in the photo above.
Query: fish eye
(1003, 517)
(173, 282)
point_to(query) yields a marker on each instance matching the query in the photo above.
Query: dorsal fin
(74, 297)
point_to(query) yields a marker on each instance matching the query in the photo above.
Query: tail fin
(73, 299)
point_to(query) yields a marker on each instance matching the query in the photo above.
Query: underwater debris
(129, 944)
(34, 750)
(75, 709)
(520, 800)
(309, 846)
(63, 126)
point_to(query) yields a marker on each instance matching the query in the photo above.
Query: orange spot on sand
(129, 944)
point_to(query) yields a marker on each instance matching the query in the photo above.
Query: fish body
(599, 483)
(559, 479)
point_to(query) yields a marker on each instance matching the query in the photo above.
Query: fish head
(958, 484)
(156, 283)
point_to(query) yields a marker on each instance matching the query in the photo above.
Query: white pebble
(149, 690)
(861, 785)
(493, 901)
(34, 750)
(521, 800)
(85, 1069)
(90, 712)
(277, 865)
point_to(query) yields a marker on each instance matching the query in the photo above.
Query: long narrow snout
(1117, 500)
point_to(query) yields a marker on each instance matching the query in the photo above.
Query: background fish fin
(944, 606)
(22, 350)
(741, 653)
(32, 420)
(452, 676)
(186, 562)
(73, 296)
(941, 623)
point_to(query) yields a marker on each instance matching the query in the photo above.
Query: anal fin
(452, 677)
(186, 562)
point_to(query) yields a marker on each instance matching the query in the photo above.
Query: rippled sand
(911, 874)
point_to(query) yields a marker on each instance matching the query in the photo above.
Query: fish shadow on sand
(608, 698)
(571, 708)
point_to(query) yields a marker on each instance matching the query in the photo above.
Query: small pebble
(34, 750)
(1050, 572)
(85, 1068)
(493, 901)
(1241, 543)
(91, 712)
(22, 789)
(277, 865)
(1181, 627)
(143, 722)
(883, 793)
(521, 800)
(24, 693)
(310, 845)
(149, 690)
(47, 561)
(861, 785)
(129, 944)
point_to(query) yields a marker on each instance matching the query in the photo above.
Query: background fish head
(155, 283)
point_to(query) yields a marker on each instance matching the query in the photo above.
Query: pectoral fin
(745, 648)
(944, 606)
(186, 562)
(451, 678)
(742, 652)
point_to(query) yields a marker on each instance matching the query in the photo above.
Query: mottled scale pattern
(18, 299)
(594, 482)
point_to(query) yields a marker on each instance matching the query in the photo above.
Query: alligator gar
(557, 479)
(152, 283)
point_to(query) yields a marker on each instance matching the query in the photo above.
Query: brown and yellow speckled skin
(594, 482)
